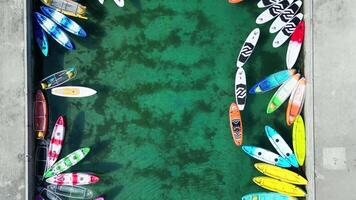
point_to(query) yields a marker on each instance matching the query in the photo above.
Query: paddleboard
(73, 179)
(248, 47)
(281, 146)
(236, 124)
(267, 3)
(58, 78)
(279, 186)
(73, 192)
(73, 91)
(282, 93)
(299, 142)
(295, 45)
(296, 102)
(120, 3)
(267, 196)
(285, 16)
(273, 11)
(41, 38)
(63, 21)
(235, 1)
(266, 156)
(281, 174)
(101, 1)
(272, 81)
(66, 162)
(55, 145)
(287, 31)
(240, 88)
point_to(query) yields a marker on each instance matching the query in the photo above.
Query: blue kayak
(64, 21)
(53, 30)
(41, 38)
(267, 195)
(272, 81)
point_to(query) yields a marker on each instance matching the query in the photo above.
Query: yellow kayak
(281, 174)
(279, 186)
(299, 143)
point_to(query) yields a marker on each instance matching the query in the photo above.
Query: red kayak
(56, 142)
(73, 179)
(41, 115)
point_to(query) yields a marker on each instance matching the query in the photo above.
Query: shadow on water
(77, 128)
(113, 192)
(137, 4)
(101, 168)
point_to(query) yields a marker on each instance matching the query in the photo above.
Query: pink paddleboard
(56, 142)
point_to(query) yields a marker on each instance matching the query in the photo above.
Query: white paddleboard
(266, 3)
(285, 17)
(248, 47)
(295, 45)
(72, 91)
(240, 88)
(101, 1)
(287, 31)
(273, 11)
(120, 3)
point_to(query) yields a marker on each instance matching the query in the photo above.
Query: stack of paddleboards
(278, 180)
(120, 3)
(288, 22)
(51, 23)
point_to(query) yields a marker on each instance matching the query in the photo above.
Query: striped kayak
(64, 21)
(55, 145)
(272, 81)
(279, 186)
(67, 162)
(296, 102)
(281, 146)
(267, 196)
(41, 38)
(266, 156)
(58, 78)
(236, 124)
(73, 192)
(73, 179)
(53, 30)
(299, 142)
(282, 93)
(281, 174)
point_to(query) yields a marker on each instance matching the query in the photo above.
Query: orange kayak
(296, 101)
(236, 124)
(235, 1)
(41, 115)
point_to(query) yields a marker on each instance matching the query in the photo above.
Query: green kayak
(58, 78)
(66, 162)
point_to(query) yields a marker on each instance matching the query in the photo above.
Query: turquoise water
(164, 72)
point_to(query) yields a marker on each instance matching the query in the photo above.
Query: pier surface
(13, 123)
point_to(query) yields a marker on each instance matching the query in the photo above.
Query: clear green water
(164, 72)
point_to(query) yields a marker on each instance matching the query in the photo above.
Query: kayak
(44, 192)
(235, 1)
(281, 174)
(267, 196)
(67, 7)
(287, 31)
(41, 158)
(285, 16)
(295, 45)
(267, 3)
(279, 186)
(99, 198)
(40, 115)
(282, 93)
(56, 142)
(248, 47)
(73, 192)
(296, 102)
(272, 81)
(73, 91)
(266, 156)
(273, 11)
(281, 146)
(120, 3)
(236, 124)
(58, 78)
(299, 142)
(66, 162)
(240, 88)
(53, 30)
(63, 21)
(41, 38)
(73, 179)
